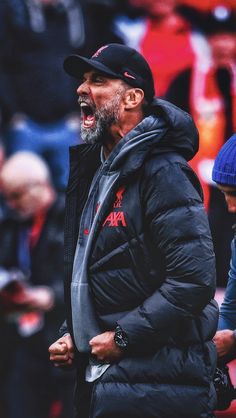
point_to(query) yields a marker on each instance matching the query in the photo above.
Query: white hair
(24, 167)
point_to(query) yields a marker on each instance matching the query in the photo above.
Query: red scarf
(168, 50)
(207, 109)
(36, 229)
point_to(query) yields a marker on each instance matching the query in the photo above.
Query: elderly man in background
(31, 240)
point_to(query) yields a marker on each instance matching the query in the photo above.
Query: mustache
(89, 102)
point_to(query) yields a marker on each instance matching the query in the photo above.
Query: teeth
(88, 122)
(84, 104)
(87, 115)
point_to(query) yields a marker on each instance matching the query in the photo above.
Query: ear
(133, 98)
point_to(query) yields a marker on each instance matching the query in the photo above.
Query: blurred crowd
(191, 48)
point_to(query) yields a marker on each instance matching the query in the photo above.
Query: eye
(97, 78)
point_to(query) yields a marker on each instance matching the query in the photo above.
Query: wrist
(121, 338)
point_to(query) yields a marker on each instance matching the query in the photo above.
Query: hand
(224, 341)
(62, 352)
(104, 347)
(39, 297)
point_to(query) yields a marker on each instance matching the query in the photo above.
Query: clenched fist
(62, 352)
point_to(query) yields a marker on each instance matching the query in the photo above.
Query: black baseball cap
(117, 61)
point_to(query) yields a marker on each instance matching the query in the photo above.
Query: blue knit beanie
(224, 169)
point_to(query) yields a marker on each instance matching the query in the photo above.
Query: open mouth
(87, 114)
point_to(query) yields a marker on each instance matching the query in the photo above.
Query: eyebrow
(94, 73)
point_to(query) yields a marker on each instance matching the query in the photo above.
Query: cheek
(102, 99)
(27, 204)
(104, 96)
(231, 202)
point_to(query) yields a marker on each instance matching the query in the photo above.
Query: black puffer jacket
(151, 271)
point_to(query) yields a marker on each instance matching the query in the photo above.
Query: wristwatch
(121, 338)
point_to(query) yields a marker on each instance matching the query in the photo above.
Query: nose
(83, 89)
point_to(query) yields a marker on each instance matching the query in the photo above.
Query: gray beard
(105, 117)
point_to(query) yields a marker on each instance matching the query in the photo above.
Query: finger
(93, 351)
(58, 348)
(92, 341)
(59, 357)
(63, 364)
(54, 348)
(70, 345)
(56, 358)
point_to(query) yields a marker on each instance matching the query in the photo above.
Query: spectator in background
(31, 241)
(224, 174)
(38, 100)
(101, 14)
(208, 5)
(207, 91)
(163, 36)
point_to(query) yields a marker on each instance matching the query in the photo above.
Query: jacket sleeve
(176, 224)
(63, 329)
(227, 318)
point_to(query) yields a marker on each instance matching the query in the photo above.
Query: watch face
(121, 338)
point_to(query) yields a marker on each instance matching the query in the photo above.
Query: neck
(120, 130)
